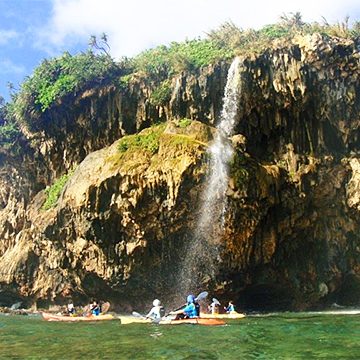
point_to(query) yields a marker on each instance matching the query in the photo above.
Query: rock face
(123, 223)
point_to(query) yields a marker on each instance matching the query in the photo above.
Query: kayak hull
(195, 321)
(234, 315)
(55, 317)
(125, 320)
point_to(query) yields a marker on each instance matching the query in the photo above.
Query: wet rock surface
(121, 227)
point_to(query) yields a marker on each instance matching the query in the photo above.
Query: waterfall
(221, 153)
(203, 251)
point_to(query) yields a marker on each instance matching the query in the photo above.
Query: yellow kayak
(132, 320)
(232, 315)
(54, 317)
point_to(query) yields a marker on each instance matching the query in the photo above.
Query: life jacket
(96, 310)
(190, 311)
(197, 307)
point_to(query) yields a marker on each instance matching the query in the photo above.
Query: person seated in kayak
(191, 310)
(157, 311)
(95, 308)
(70, 309)
(214, 308)
(230, 308)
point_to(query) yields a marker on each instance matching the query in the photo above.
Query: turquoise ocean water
(268, 336)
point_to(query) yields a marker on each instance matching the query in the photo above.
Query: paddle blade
(216, 301)
(105, 307)
(202, 295)
(136, 314)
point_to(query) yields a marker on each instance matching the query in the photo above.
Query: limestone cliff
(122, 225)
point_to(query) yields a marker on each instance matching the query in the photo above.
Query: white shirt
(155, 312)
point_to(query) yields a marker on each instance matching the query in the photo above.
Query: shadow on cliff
(269, 297)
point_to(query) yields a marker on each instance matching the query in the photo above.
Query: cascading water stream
(221, 153)
(203, 250)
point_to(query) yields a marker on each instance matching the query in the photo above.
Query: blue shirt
(95, 310)
(190, 310)
(230, 308)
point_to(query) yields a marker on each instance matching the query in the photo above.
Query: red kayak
(125, 320)
(54, 317)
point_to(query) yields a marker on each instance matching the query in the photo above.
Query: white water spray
(221, 153)
(203, 251)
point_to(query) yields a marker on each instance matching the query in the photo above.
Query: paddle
(201, 296)
(142, 317)
(87, 311)
(137, 315)
(216, 301)
(105, 307)
(215, 310)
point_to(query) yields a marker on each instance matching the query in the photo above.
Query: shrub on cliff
(53, 192)
(162, 94)
(9, 131)
(163, 61)
(59, 77)
(233, 38)
(154, 146)
(147, 140)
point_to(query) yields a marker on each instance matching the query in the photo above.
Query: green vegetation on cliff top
(58, 80)
(54, 80)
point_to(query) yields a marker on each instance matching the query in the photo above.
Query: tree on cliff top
(65, 77)
(59, 78)
(103, 39)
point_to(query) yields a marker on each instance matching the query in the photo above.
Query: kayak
(54, 317)
(125, 320)
(233, 315)
(194, 321)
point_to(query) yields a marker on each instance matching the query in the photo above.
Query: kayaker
(157, 311)
(70, 309)
(191, 310)
(95, 308)
(214, 308)
(230, 308)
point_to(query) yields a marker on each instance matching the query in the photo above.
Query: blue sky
(32, 30)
